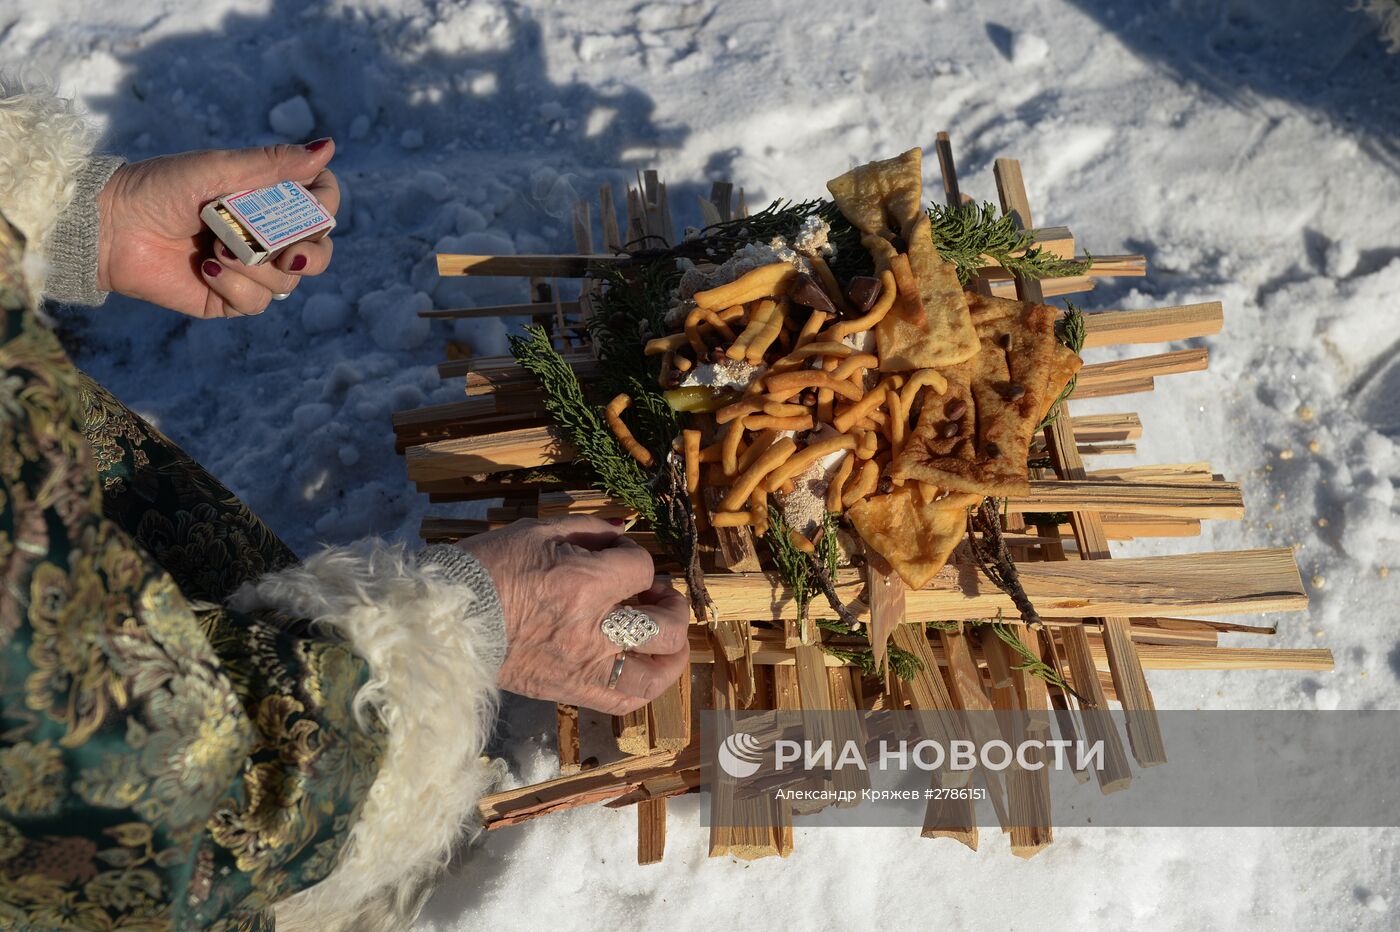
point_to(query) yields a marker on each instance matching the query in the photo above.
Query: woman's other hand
(556, 580)
(153, 246)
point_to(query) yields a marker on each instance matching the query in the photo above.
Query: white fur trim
(434, 691)
(1388, 13)
(44, 144)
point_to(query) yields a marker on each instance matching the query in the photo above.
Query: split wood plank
(1153, 325)
(487, 453)
(744, 828)
(814, 688)
(566, 723)
(496, 310)
(631, 732)
(1055, 241)
(1155, 657)
(1221, 583)
(472, 416)
(484, 377)
(1130, 527)
(736, 552)
(1162, 472)
(606, 781)
(668, 716)
(787, 697)
(1103, 267)
(1099, 428)
(1115, 773)
(1107, 449)
(943, 145)
(583, 502)
(459, 457)
(1144, 731)
(612, 236)
(661, 787)
(1050, 287)
(651, 831)
(1213, 500)
(1140, 367)
(885, 595)
(965, 690)
(948, 817)
(1129, 386)
(1116, 526)
(450, 265)
(1029, 788)
(1188, 657)
(722, 197)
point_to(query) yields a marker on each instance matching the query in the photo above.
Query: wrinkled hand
(557, 579)
(153, 246)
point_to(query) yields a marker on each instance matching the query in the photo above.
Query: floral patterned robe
(164, 762)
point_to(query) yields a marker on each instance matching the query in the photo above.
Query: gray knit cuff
(72, 246)
(457, 566)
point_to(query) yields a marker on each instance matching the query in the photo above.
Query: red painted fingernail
(298, 263)
(617, 522)
(226, 252)
(318, 145)
(211, 268)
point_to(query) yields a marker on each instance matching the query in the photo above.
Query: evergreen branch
(780, 218)
(967, 232)
(901, 662)
(824, 563)
(948, 627)
(657, 423)
(1072, 329)
(630, 310)
(995, 560)
(793, 566)
(617, 473)
(1030, 663)
(963, 234)
(660, 500)
(806, 574)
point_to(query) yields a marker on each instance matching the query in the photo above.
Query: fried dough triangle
(1007, 388)
(915, 538)
(884, 198)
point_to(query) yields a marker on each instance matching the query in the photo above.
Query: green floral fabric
(165, 763)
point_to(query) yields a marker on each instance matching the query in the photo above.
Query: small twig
(829, 590)
(995, 560)
(678, 508)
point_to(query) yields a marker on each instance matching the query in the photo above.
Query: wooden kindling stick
(1012, 190)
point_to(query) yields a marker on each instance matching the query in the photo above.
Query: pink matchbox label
(276, 215)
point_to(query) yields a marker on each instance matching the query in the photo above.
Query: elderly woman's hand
(556, 580)
(153, 246)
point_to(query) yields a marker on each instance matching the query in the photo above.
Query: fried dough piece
(1064, 365)
(1013, 380)
(915, 538)
(881, 199)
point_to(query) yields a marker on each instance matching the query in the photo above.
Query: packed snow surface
(1248, 148)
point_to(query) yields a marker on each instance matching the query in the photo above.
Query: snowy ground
(1249, 149)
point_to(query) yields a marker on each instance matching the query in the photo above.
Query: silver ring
(616, 671)
(281, 295)
(628, 628)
